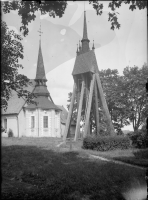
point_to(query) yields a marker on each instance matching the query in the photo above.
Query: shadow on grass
(29, 172)
(140, 158)
(142, 153)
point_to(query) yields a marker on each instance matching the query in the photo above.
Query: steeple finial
(93, 47)
(85, 41)
(40, 32)
(85, 27)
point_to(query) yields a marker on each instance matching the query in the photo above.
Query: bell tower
(87, 89)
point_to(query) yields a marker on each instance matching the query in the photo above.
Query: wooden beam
(87, 96)
(89, 106)
(69, 113)
(79, 112)
(104, 104)
(96, 108)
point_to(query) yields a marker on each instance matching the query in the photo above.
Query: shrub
(139, 138)
(106, 143)
(10, 133)
(2, 129)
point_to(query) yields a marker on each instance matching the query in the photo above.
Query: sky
(116, 49)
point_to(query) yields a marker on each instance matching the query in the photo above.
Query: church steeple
(40, 73)
(85, 41)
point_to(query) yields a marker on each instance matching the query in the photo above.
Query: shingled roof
(40, 73)
(85, 62)
(44, 103)
(15, 104)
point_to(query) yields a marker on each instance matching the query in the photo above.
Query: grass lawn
(133, 156)
(34, 168)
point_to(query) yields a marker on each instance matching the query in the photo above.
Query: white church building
(30, 120)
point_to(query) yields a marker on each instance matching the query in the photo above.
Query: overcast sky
(116, 49)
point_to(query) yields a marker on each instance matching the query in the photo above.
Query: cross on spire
(40, 32)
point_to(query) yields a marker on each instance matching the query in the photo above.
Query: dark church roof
(85, 62)
(44, 103)
(40, 73)
(15, 103)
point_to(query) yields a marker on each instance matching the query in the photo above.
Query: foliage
(27, 10)
(11, 52)
(135, 100)
(74, 114)
(10, 133)
(139, 138)
(113, 5)
(2, 129)
(106, 143)
(112, 84)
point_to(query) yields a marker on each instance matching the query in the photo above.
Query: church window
(32, 121)
(5, 124)
(56, 112)
(45, 121)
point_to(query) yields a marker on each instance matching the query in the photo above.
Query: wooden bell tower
(87, 89)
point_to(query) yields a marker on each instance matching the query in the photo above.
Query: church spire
(85, 41)
(40, 73)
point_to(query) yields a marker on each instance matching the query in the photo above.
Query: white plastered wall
(11, 124)
(21, 123)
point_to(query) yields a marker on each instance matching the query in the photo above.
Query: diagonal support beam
(96, 108)
(104, 104)
(69, 113)
(79, 112)
(89, 106)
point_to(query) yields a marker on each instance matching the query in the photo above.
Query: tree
(136, 99)
(112, 84)
(98, 6)
(74, 115)
(11, 52)
(27, 9)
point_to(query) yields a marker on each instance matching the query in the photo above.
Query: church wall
(31, 132)
(53, 129)
(45, 132)
(22, 122)
(11, 124)
(57, 124)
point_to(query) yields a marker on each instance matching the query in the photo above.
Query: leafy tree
(27, 9)
(11, 52)
(112, 84)
(136, 99)
(74, 115)
(98, 6)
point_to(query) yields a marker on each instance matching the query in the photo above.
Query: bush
(10, 133)
(139, 139)
(106, 143)
(2, 129)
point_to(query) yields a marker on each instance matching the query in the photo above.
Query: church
(44, 119)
